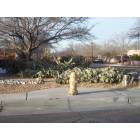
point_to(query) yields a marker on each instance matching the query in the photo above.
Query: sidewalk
(56, 100)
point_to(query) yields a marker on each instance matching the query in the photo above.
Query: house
(7, 54)
(133, 52)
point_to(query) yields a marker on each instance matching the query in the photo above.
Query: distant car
(114, 60)
(125, 58)
(119, 59)
(98, 61)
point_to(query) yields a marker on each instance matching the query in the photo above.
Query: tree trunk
(29, 56)
(25, 56)
(121, 58)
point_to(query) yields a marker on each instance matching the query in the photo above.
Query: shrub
(46, 73)
(54, 70)
(17, 66)
(27, 73)
(79, 61)
(11, 66)
(135, 57)
(103, 75)
(111, 75)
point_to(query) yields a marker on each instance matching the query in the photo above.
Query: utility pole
(92, 45)
(92, 53)
(138, 41)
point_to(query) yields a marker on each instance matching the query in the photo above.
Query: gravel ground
(27, 87)
(50, 83)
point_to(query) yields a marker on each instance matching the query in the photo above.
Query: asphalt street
(131, 115)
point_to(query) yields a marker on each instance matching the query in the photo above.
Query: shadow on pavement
(101, 91)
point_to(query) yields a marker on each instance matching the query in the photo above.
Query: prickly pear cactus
(102, 75)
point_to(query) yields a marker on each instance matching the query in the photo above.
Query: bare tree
(121, 42)
(85, 49)
(135, 33)
(27, 34)
(108, 50)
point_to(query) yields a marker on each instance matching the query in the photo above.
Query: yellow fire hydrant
(73, 84)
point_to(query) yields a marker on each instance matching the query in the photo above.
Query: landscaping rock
(19, 81)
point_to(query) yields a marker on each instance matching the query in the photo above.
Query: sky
(105, 28)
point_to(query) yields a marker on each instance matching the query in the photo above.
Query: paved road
(130, 68)
(131, 115)
(54, 105)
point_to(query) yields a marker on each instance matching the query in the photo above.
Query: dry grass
(100, 85)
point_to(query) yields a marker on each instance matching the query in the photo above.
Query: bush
(79, 61)
(54, 70)
(20, 66)
(26, 73)
(49, 69)
(46, 73)
(135, 57)
(12, 66)
(103, 75)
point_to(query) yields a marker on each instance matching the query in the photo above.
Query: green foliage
(40, 74)
(27, 73)
(64, 77)
(67, 64)
(12, 66)
(110, 75)
(20, 66)
(79, 61)
(135, 57)
(54, 70)
(46, 73)
(103, 75)
(45, 67)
